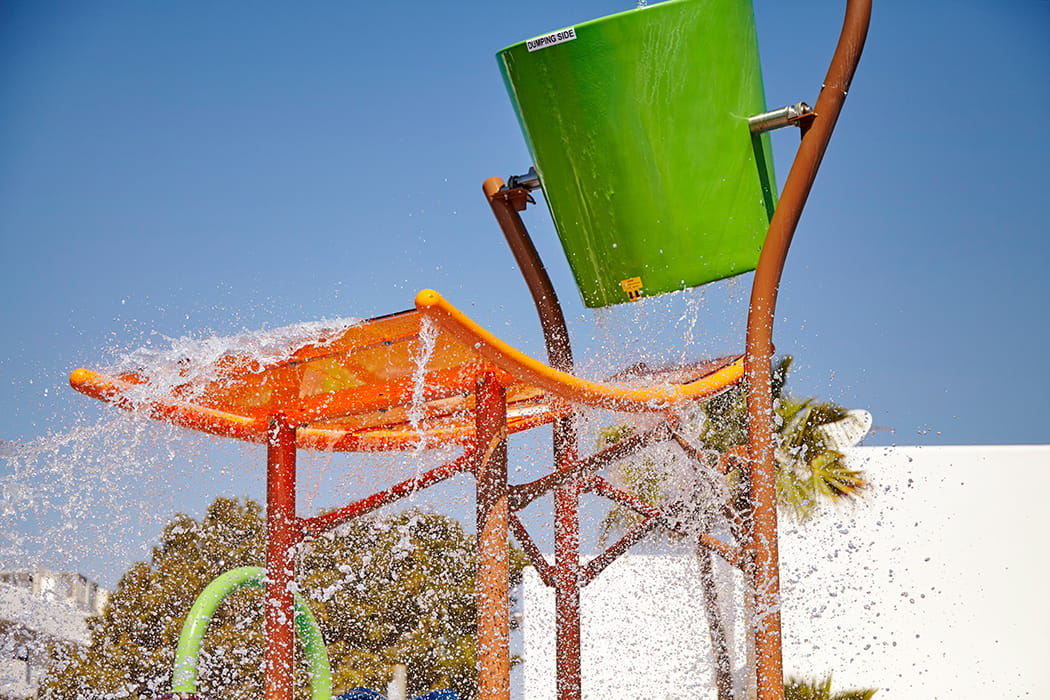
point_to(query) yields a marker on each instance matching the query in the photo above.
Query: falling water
(75, 497)
(688, 321)
(192, 362)
(428, 334)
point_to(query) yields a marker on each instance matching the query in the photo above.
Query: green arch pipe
(184, 676)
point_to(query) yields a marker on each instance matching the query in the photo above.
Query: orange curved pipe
(568, 386)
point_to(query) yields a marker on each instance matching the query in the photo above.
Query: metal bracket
(798, 114)
(518, 189)
(518, 197)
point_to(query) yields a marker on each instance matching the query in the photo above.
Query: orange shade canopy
(386, 383)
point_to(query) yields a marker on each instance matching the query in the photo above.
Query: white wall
(932, 587)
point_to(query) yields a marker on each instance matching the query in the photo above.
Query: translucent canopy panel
(384, 383)
(392, 382)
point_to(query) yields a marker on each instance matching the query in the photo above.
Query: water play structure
(648, 130)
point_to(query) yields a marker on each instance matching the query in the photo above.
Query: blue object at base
(368, 694)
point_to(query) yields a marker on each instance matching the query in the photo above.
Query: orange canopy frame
(363, 390)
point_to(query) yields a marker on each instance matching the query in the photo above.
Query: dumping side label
(558, 37)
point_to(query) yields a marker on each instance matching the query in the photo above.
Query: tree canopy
(390, 590)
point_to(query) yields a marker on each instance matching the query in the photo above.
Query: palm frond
(795, 495)
(833, 479)
(808, 689)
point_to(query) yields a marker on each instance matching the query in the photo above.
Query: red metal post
(493, 582)
(282, 534)
(567, 590)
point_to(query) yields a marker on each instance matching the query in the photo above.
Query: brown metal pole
(282, 534)
(505, 206)
(493, 581)
(765, 577)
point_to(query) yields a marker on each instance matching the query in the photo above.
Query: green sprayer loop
(184, 676)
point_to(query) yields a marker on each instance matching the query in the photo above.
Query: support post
(506, 203)
(493, 520)
(567, 590)
(282, 535)
(764, 571)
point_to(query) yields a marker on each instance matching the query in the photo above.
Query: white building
(933, 586)
(38, 608)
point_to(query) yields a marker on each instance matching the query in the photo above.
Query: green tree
(133, 641)
(810, 469)
(384, 590)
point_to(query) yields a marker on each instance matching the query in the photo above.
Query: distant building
(37, 609)
(60, 586)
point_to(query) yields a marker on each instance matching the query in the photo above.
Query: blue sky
(175, 168)
(183, 168)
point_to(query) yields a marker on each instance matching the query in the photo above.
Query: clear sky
(174, 168)
(182, 167)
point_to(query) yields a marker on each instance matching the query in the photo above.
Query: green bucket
(637, 124)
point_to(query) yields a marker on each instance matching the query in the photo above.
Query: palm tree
(799, 689)
(811, 468)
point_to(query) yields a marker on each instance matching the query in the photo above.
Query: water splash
(192, 362)
(428, 334)
(689, 319)
(76, 498)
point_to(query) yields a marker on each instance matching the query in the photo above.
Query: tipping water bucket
(637, 123)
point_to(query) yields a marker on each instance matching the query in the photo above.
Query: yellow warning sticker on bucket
(558, 37)
(633, 287)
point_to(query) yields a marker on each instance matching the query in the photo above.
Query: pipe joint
(792, 115)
